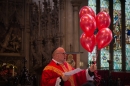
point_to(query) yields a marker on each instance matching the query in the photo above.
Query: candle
(13, 71)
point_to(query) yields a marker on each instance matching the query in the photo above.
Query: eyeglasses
(62, 53)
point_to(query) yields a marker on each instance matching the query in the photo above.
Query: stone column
(68, 29)
(76, 29)
(26, 33)
(62, 21)
(123, 44)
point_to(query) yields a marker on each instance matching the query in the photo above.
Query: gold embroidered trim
(59, 72)
(56, 70)
(71, 78)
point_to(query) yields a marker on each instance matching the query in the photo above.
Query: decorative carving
(12, 40)
(45, 32)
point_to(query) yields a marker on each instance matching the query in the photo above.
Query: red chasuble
(52, 71)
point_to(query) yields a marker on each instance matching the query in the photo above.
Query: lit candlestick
(13, 71)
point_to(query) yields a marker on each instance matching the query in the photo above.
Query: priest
(54, 74)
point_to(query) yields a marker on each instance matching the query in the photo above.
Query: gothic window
(117, 35)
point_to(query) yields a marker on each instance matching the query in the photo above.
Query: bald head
(57, 50)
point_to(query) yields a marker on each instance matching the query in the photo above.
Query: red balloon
(87, 43)
(103, 37)
(103, 20)
(88, 24)
(86, 10)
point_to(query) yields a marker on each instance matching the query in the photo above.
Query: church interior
(31, 29)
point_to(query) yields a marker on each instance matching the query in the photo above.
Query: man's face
(61, 56)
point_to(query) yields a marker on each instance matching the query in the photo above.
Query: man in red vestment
(54, 73)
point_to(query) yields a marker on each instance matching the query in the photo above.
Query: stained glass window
(92, 55)
(104, 4)
(117, 63)
(92, 4)
(127, 13)
(117, 54)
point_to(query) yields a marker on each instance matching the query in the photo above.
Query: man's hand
(65, 77)
(93, 67)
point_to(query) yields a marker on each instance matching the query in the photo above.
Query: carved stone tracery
(45, 32)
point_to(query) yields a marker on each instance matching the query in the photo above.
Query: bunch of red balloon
(89, 22)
